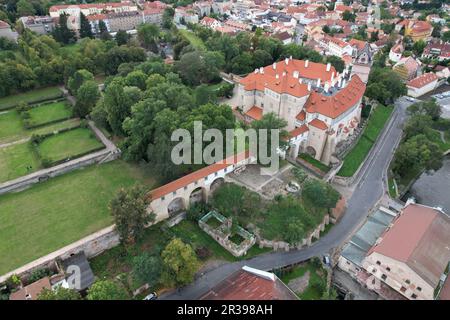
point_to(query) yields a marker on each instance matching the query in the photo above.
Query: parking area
(444, 101)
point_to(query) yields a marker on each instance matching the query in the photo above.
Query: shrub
(13, 282)
(38, 274)
(196, 211)
(299, 174)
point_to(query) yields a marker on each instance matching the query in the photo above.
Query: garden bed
(46, 114)
(30, 97)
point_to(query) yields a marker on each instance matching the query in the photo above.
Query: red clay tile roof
(298, 131)
(301, 116)
(243, 285)
(422, 80)
(255, 113)
(196, 175)
(319, 124)
(359, 44)
(287, 83)
(32, 290)
(419, 237)
(333, 106)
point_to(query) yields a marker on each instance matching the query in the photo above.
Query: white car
(151, 296)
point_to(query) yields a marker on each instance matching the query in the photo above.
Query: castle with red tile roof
(321, 106)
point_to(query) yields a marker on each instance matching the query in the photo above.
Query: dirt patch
(298, 285)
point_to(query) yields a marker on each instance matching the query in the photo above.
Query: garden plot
(47, 113)
(68, 145)
(17, 160)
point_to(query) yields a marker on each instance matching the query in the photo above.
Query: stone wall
(306, 242)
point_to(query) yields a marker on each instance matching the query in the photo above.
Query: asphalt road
(369, 188)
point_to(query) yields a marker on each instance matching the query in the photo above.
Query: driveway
(369, 189)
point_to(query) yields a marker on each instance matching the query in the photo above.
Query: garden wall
(281, 245)
(92, 246)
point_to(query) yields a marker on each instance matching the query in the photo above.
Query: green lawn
(356, 156)
(193, 39)
(10, 125)
(51, 112)
(68, 144)
(30, 97)
(15, 159)
(55, 213)
(392, 189)
(316, 163)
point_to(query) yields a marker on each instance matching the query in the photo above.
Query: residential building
(153, 15)
(284, 37)
(422, 84)
(31, 291)
(39, 24)
(210, 23)
(395, 54)
(321, 106)
(439, 50)
(338, 47)
(7, 32)
(412, 256)
(407, 68)
(184, 15)
(418, 30)
(250, 284)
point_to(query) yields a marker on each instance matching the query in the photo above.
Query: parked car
(151, 296)
(410, 99)
(326, 259)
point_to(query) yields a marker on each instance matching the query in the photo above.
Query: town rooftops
(31, 291)
(298, 131)
(319, 124)
(197, 175)
(104, 6)
(420, 238)
(422, 80)
(250, 284)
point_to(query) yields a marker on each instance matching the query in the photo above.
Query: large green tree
(62, 33)
(129, 210)
(147, 268)
(87, 96)
(85, 27)
(107, 290)
(180, 263)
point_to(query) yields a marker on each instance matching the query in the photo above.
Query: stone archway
(216, 184)
(311, 151)
(197, 195)
(176, 206)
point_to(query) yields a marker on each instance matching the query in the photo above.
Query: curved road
(369, 187)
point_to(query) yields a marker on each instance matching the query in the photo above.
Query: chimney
(343, 83)
(332, 76)
(328, 66)
(261, 70)
(277, 76)
(326, 87)
(256, 70)
(295, 74)
(318, 82)
(306, 63)
(309, 86)
(340, 82)
(274, 66)
(286, 61)
(300, 80)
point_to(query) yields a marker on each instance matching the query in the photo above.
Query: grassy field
(51, 112)
(10, 125)
(68, 144)
(15, 160)
(193, 39)
(30, 97)
(316, 163)
(55, 213)
(356, 156)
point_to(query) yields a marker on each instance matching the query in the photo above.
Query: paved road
(370, 187)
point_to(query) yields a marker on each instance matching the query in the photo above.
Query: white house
(422, 84)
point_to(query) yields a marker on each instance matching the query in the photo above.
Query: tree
(77, 80)
(320, 194)
(147, 268)
(136, 79)
(179, 263)
(294, 230)
(103, 31)
(85, 27)
(374, 36)
(384, 85)
(60, 293)
(446, 36)
(129, 210)
(430, 108)
(418, 47)
(168, 17)
(348, 16)
(122, 37)
(106, 290)
(148, 33)
(87, 96)
(62, 33)
(336, 62)
(25, 8)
